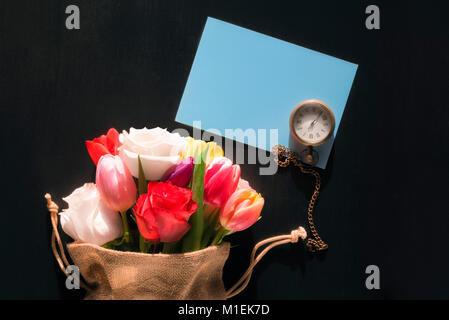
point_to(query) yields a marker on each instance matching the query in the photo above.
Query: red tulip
(115, 183)
(242, 209)
(163, 213)
(221, 180)
(105, 144)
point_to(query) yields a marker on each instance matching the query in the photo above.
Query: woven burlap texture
(196, 275)
(117, 275)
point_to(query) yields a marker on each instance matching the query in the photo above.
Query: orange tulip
(242, 209)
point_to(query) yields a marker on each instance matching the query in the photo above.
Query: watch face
(312, 122)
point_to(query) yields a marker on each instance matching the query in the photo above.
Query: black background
(385, 193)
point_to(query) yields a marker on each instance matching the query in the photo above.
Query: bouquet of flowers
(152, 225)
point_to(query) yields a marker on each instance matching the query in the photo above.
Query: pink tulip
(242, 209)
(115, 183)
(221, 180)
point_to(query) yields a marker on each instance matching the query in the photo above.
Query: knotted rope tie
(59, 256)
(293, 237)
(298, 233)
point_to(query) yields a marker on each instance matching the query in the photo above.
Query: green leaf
(142, 182)
(192, 240)
(109, 245)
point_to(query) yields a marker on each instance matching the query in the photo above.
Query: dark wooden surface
(385, 194)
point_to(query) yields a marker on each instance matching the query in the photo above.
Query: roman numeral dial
(312, 123)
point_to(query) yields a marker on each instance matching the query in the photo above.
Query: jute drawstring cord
(272, 242)
(60, 256)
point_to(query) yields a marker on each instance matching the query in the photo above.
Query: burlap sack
(111, 274)
(130, 275)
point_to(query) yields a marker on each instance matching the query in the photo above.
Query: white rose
(88, 219)
(158, 150)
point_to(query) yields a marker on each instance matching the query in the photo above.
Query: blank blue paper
(244, 79)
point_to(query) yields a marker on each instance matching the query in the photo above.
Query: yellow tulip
(193, 145)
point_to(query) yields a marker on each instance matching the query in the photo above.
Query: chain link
(284, 157)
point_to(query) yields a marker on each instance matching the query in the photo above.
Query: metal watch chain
(285, 157)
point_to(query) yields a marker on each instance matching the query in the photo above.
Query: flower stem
(192, 240)
(125, 226)
(219, 236)
(169, 247)
(144, 245)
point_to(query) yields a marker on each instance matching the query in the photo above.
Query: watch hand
(314, 121)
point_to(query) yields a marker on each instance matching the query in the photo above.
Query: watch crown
(308, 158)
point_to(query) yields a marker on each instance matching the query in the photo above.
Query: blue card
(241, 79)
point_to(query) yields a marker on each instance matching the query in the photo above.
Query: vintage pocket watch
(312, 123)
